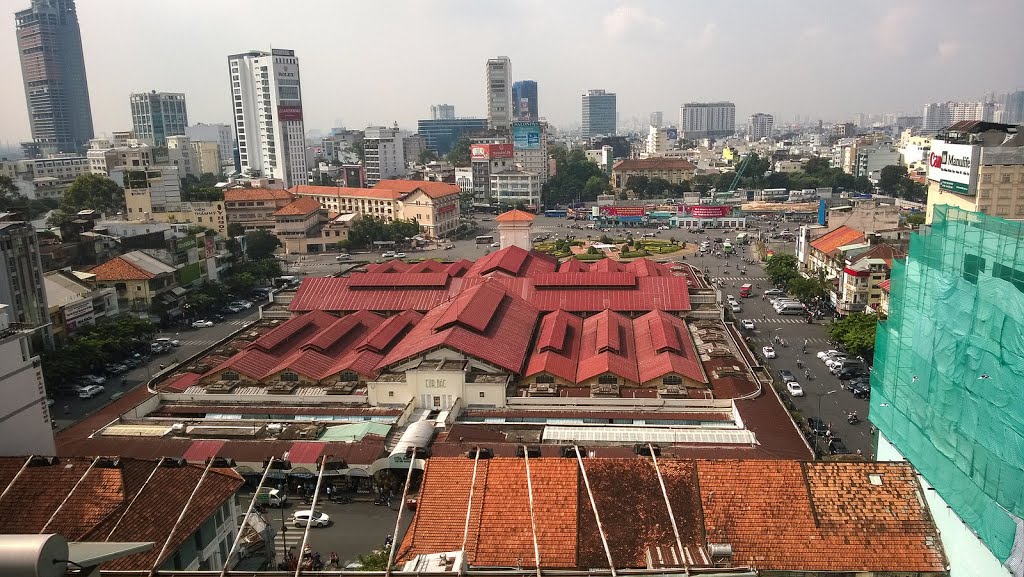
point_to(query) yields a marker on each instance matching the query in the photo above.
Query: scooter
(852, 418)
(341, 499)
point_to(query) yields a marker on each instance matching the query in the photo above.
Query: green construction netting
(948, 380)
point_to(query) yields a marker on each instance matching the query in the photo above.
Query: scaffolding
(948, 380)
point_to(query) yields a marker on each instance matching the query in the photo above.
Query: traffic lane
(356, 529)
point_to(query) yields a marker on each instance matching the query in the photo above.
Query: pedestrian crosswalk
(781, 320)
(746, 279)
(766, 339)
(203, 342)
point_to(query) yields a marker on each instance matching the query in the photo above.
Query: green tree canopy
(93, 191)
(235, 229)
(427, 155)
(781, 268)
(807, 290)
(572, 175)
(459, 154)
(367, 230)
(856, 333)
(915, 219)
(260, 244)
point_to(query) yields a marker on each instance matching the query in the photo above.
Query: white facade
(181, 154)
(534, 160)
(707, 119)
(219, 133)
(45, 177)
(464, 177)
(516, 186)
(442, 112)
(267, 97)
(105, 160)
(24, 417)
(498, 80)
(760, 126)
(659, 141)
(384, 153)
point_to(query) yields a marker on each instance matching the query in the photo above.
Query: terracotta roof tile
(558, 346)
(607, 346)
(654, 164)
(663, 346)
(377, 193)
(514, 216)
(433, 189)
(841, 236)
(298, 207)
(250, 194)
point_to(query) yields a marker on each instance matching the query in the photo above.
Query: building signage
(623, 211)
(491, 151)
(702, 211)
(954, 166)
(672, 133)
(526, 135)
(285, 113)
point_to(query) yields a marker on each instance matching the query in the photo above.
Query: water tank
(719, 550)
(33, 555)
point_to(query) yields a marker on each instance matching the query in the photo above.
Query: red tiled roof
(305, 453)
(606, 346)
(117, 269)
(884, 285)
(335, 294)
(573, 265)
(503, 341)
(663, 346)
(379, 193)
(249, 194)
(202, 450)
(886, 252)
(299, 207)
(841, 236)
(654, 164)
(411, 278)
(271, 352)
(558, 346)
(514, 261)
(647, 267)
(433, 189)
(514, 216)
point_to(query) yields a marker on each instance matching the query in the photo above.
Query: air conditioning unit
(670, 390)
(178, 427)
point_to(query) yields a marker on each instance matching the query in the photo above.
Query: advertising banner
(634, 211)
(289, 113)
(526, 136)
(954, 166)
(490, 151)
(702, 211)
(672, 133)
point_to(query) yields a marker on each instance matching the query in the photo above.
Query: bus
(742, 238)
(556, 213)
(746, 290)
(486, 239)
(727, 247)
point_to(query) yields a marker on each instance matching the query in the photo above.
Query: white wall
(25, 427)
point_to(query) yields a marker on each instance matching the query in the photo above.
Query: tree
(573, 173)
(459, 154)
(92, 191)
(638, 184)
(863, 184)
(781, 269)
(359, 149)
(260, 244)
(807, 290)
(658, 188)
(817, 166)
(235, 229)
(595, 185)
(368, 230)
(915, 219)
(856, 333)
(374, 560)
(427, 155)
(890, 179)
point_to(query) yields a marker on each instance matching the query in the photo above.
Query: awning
(357, 472)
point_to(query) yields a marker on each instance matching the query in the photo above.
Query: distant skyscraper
(524, 101)
(657, 119)
(267, 97)
(939, 115)
(498, 77)
(157, 115)
(760, 126)
(219, 133)
(598, 113)
(441, 134)
(442, 112)
(707, 120)
(1013, 108)
(53, 70)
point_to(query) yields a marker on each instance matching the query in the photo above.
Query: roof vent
(178, 427)
(720, 552)
(274, 428)
(875, 479)
(174, 463)
(530, 451)
(644, 449)
(484, 453)
(569, 451)
(42, 461)
(109, 463)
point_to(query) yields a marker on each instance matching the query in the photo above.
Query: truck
(271, 497)
(742, 238)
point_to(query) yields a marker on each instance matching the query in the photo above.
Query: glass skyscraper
(524, 101)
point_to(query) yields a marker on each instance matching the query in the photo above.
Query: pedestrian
(67, 409)
(764, 317)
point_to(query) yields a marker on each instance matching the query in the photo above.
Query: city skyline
(905, 56)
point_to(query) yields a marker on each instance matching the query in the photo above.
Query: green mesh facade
(956, 322)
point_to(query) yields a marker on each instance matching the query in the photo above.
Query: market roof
(378, 193)
(134, 265)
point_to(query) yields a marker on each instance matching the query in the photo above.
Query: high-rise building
(21, 279)
(599, 113)
(1013, 108)
(524, 101)
(760, 126)
(498, 76)
(53, 70)
(442, 112)
(707, 120)
(939, 115)
(267, 96)
(657, 119)
(24, 417)
(530, 148)
(157, 115)
(441, 135)
(383, 153)
(219, 133)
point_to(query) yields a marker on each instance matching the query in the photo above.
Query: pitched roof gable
(841, 236)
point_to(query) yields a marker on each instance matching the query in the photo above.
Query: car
(115, 368)
(388, 254)
(736, 308)
(495, 244)
(90, 391)
(341, 257)
(202, 324)
(817, 426)
(768, 352)
(747, 324)
(861, 390)
(836, 447)
(243, 304)
(92, 380)
(399, 255)
(835, 361)
(773, 292)
(231, 309)
(50, 402)
(824, 355)
(787, 376)
(849, 373)
(302, 518)
(168, 340)
(795, 389)
(216, 318)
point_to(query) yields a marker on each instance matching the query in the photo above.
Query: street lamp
(820, 395)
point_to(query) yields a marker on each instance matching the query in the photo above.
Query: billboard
(672, 133)
(526, 135)
(704, 211)
(623, 211)
(289, 113)
(954, 166)
(490, 151)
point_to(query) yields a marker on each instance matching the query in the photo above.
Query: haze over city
(382, 62)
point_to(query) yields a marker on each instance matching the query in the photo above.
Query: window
(607, 380)
(986, 179)
(672, 380)
(545, 379)
(437, 402)
(1005, 179)
(391, 393)
(482, 395)
(289, 376)
(973, 264)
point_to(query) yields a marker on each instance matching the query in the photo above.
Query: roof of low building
(654, 164)
(134, 265)
(254, 194)
(378, 193)
(832, 240)
(431, 188)
(299, 207)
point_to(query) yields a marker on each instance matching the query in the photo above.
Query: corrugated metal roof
(401, 279)
(586, 279)
(606, 346)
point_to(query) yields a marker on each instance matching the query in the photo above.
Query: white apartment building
(267, 96)
(660, 140)
(219, 133)
(181, 154)
(383, 153)
(760, 126)
(707, 120)
(498, 80)
(533, 156)
(938, 115)
(516, 186)
(149, 191)
(45, 177)
(105, 160)
(24, 417)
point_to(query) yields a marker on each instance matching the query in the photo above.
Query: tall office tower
(157, 115)
(267, 98)
(442, 112)
(21, 279)
(598, 113)
(707, 120)
(939, 115)
(524, 101)
(498, 77)
(384, 153)
(1013, 108)
(53, 70)
(760, 126)
(657, 119)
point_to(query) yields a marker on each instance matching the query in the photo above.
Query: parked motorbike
(852, 418)
(341, 499)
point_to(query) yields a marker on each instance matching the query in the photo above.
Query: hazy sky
(380, 61)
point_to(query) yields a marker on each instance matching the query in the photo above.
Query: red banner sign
(702, 211)
(491, 151)
(623, 210)
(285, 113)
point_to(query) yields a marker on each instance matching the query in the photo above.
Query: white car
(93, 380)
(795, 389)
(202, 324)
(824, 355)
(301, 518)
(747, 324)
(836, 361)
(89, 391)
(388, 254)
(400, 255)
(495, 244)
(168, 341)
(244, 304)
(768, 352)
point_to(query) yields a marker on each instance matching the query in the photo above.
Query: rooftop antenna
(533, 520)
(593, 505)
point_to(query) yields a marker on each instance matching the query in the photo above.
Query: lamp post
(820, 395)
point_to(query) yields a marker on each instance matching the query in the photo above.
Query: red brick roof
(558, 346)
(252, 194)
(515, 216)
(663, 346)
(514, 261)
(378, 193)
(299, 207)
(841, 236)
(607, 346)
(654, 164)
(117, 269)
(884, 285)
(337, 294)
(91, 511)
(433, 189)
(776, 515)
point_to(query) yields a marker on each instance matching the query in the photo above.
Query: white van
(791, 309)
